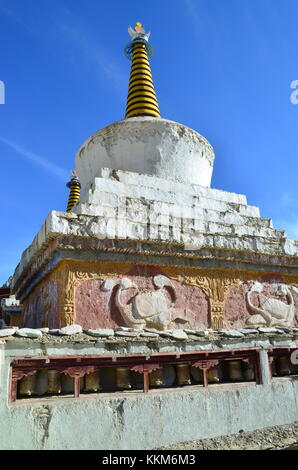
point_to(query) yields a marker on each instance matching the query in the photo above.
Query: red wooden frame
(78, 366)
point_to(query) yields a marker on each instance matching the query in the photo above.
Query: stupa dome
(147, 145)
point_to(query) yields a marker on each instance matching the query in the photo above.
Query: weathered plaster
(147, 145)
(175, 416)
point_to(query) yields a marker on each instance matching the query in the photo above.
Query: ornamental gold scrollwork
(215, 284)
(73, 274)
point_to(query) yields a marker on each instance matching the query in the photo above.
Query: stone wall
(139, 421)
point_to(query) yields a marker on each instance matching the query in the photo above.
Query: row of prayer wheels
(282, 366)
(52, 382)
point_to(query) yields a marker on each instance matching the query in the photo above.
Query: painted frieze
(143, 297)
(268, 301)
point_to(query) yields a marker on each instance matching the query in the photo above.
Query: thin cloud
(12, 15)
(81, 38)
(38, 160)
(200, 22)
(61, 23)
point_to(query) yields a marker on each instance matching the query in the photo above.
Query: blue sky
(221, 67)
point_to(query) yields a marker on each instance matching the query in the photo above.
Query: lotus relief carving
(272, 311)
(149, 308)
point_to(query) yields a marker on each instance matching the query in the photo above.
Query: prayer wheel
(54, 382)
(41, 385)
(123, 378)
(248, 371)
(235, 372)
(197, 374)
(156, 378)
(283, 366)
(183, 376)
(213, 375)
(92, 382)
(27, 386)
(273, 368)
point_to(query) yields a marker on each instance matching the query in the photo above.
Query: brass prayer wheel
(54, 382)
(283, 366)
(183, 375)
(123, 378)
(197, 374)
(273, 368)
(213, 374)
(41, 385)
(156, 378)
(92, 382)
(235, 372)
(27, 386)
(248, 371)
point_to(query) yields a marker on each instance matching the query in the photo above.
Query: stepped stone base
(142, 251)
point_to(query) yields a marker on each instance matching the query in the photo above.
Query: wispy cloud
(43, 162)
(15, 17)
(62, 26)
(201, 22)
(82, 39)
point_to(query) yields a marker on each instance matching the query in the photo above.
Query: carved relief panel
(106, 295)
(267, 301)
(142, 297)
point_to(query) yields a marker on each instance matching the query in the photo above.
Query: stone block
(28, 333)
(70, 330)
(7, 332)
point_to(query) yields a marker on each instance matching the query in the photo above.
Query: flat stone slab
(284, 329)
(147, 334)
(7, 332)
(127, 333)
(197, 332)
(29, 333)
(269, 330)
(249, 331)
(100, 332)
(232, 334)
(70, 330)
(123, 328)
(175, 334)
(153, 330)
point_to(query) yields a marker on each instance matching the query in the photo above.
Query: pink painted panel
(43, 307)
(95, 308)
(238, 311)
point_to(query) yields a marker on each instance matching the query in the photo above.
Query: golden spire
(141, 100)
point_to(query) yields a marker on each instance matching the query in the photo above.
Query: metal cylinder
(235, 372)
(92, 382)
(123, 378)
(156, 378)
(248, 371)
(27, 386)
(273, 368)
(41, 385)
(197, 374)
(54, 382)
(213, 375)
(283, 366)
(183, 376)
